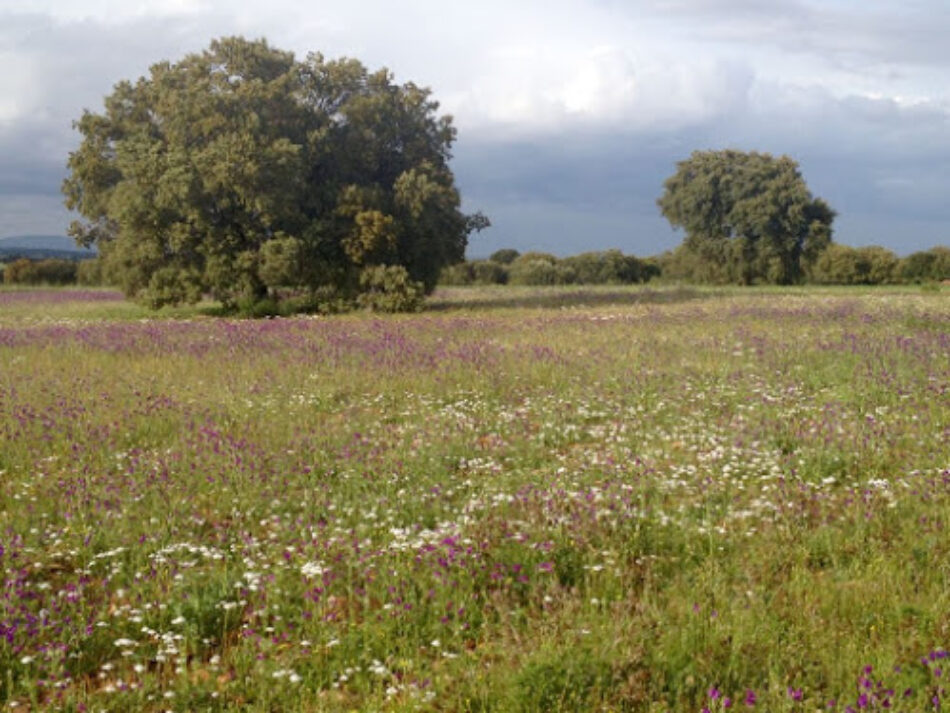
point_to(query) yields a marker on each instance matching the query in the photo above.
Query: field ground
(614, 499)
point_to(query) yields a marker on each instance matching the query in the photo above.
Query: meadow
(615, 499)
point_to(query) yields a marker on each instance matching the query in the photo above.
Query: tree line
(52, 271)
(508, 266)
(836, 265)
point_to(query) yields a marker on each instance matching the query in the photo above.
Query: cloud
(32, 214)
(570, 112)
(878, 31)
(603, 87)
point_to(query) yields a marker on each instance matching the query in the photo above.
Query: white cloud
(18, 90)
(527, 65)
(604, 87)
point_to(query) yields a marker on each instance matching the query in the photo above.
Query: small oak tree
(240, 170)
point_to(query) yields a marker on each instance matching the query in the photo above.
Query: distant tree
(879, 266)
(535, 271)
(608, 267)
(535, 255)
(505, 256)
(845, 265)
(475, 272)
(52, 271)
(537, 268)
(240, 170)
(837, 265)
(459, 274)
(926, 265)
(651, 268)
(677, 265)
(89, 273)
(749, 217)
(489, 272)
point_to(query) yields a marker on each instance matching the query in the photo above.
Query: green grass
(583, 499)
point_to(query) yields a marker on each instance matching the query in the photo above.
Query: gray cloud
(570, 113)
(32, 214)
(905, 32)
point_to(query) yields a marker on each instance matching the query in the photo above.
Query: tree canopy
(241, 171)
(748, 217)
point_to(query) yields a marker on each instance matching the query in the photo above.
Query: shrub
(845, 265)
(489, 272)
(532, 272)
(169, 286)
(90, 273)
(258, 308)
(388, 288)
(457, 275)
(602, 268)
(926, 266)
(40, 272)
(879, 265)
(681, 265)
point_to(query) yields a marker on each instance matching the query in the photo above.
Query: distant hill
(42, 246)
(41, 242)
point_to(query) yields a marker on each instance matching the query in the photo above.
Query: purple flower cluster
(872, 693)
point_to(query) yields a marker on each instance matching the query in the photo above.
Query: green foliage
(606, 268)
(475, 272)
(51, 271)
(527, 270)
(241, 169)
(90, 273)
(389, 288)
(562, 681)
(489, 272)
(282, 261)
(537, 268)
(505, 256)
(880, 265)
(258, 307)
(845, 265)
(457, 275)
(749, 217)
(593, 268)
(172, 286)
(534, 255)
(926, 266)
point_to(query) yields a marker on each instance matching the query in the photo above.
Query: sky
(570, 113)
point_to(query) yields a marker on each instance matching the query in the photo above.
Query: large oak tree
(240, 170)
(749, 217)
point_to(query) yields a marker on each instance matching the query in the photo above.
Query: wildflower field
(611, 500)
